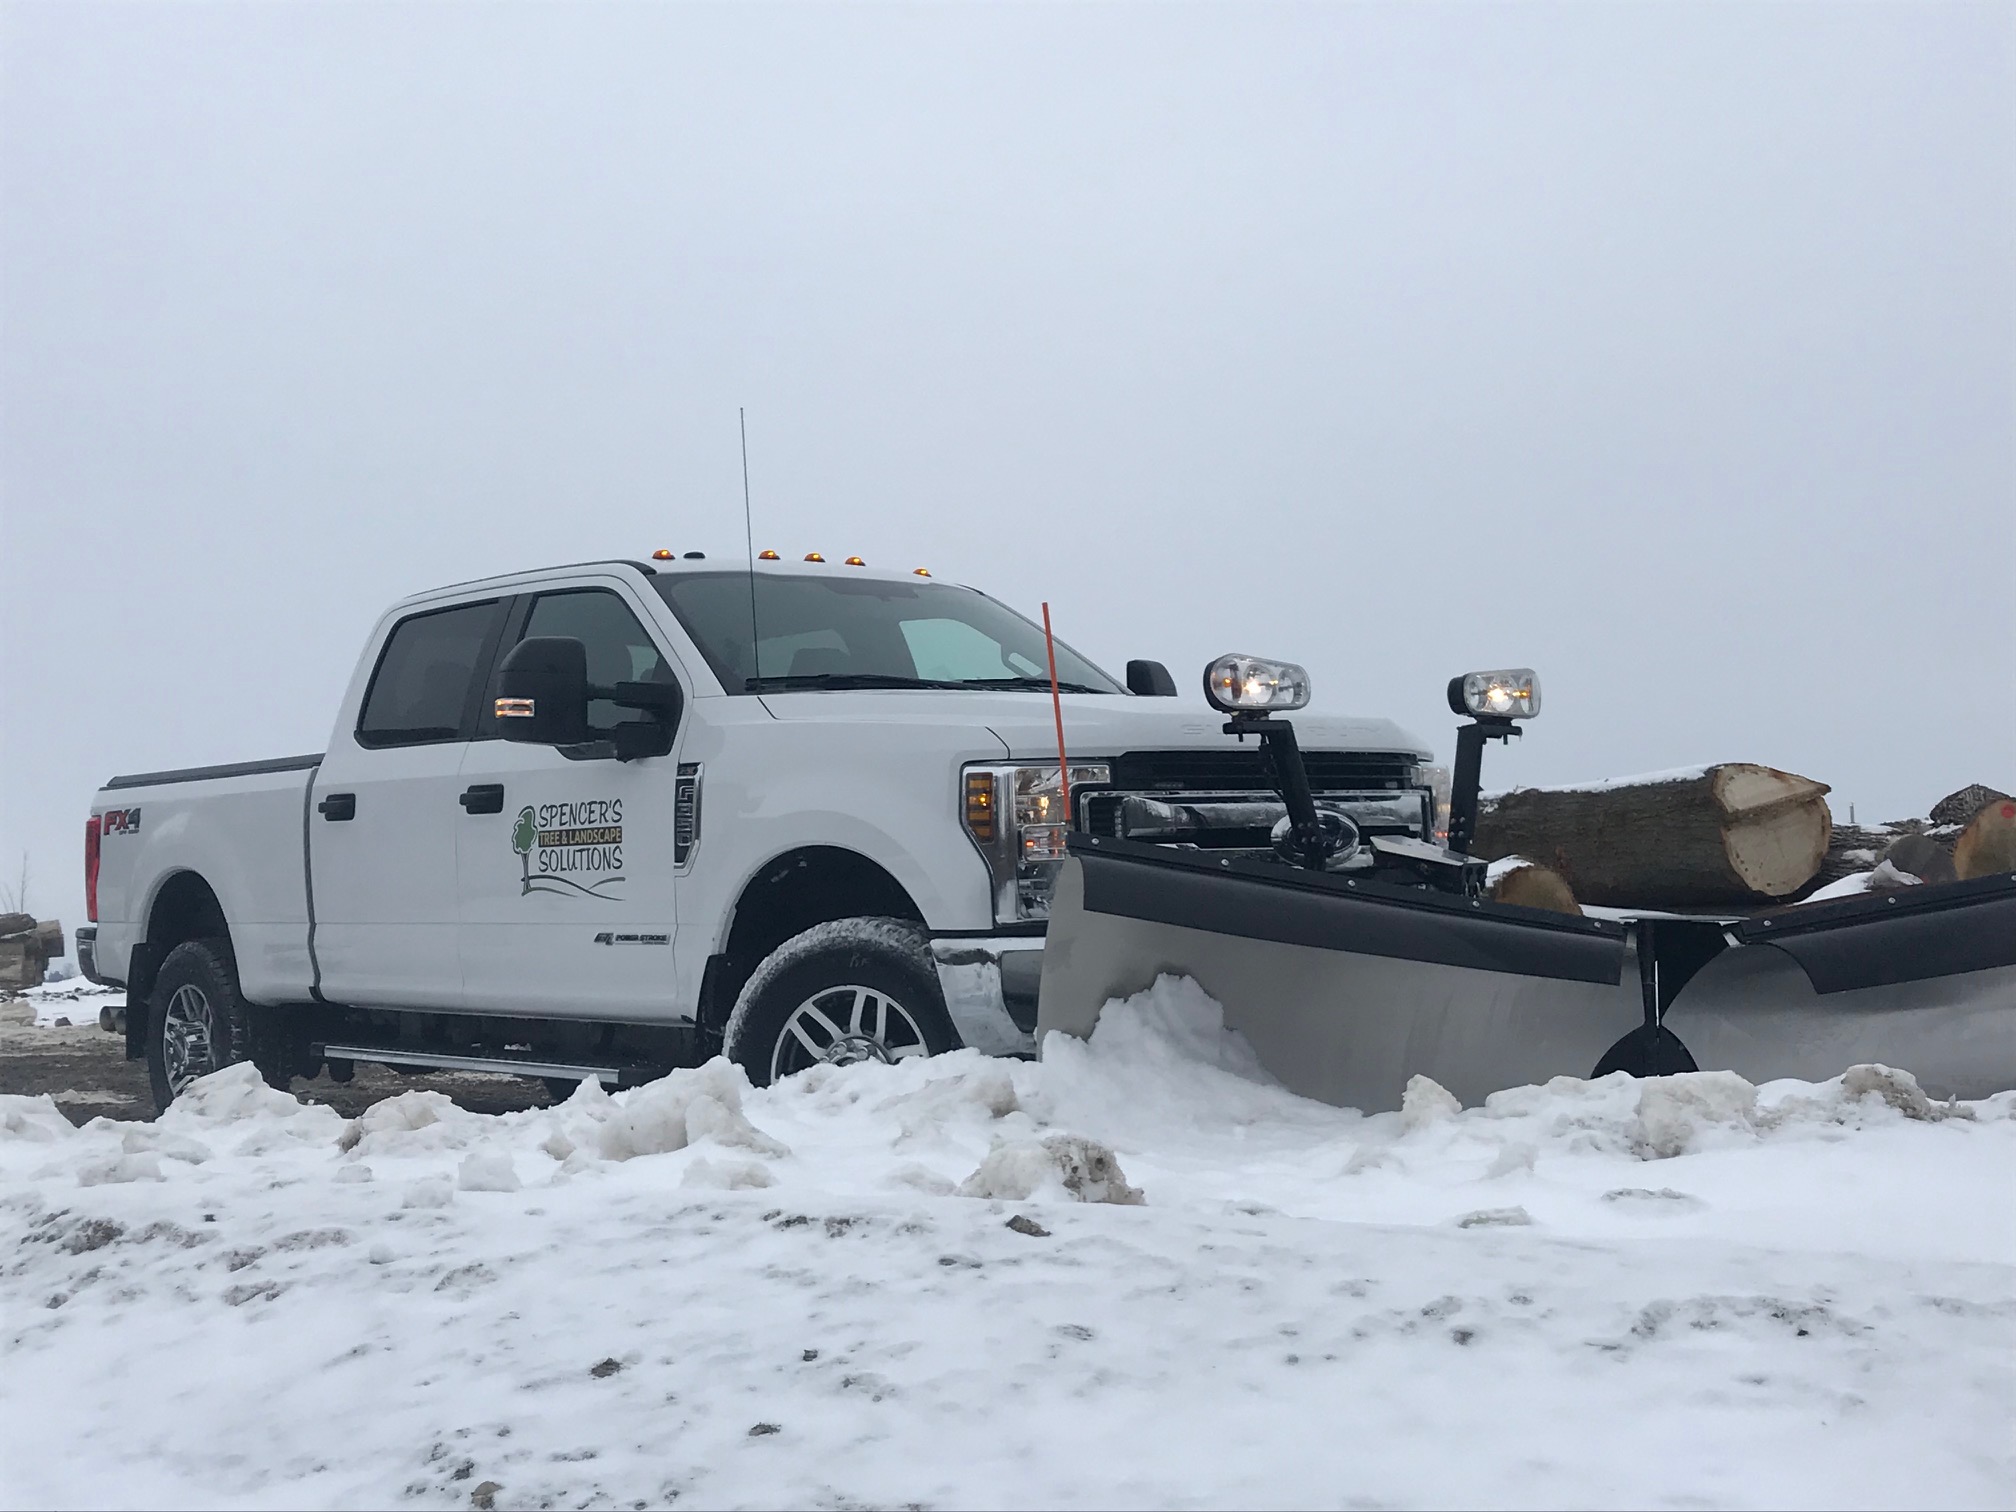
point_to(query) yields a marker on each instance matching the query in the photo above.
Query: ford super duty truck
(608, 819)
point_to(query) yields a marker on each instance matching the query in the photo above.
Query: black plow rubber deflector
(1879, 939)
(1263, 900)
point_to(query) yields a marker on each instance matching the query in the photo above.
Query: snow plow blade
(1345, 988)
(1923, 979)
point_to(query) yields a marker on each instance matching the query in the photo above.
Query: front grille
(1220, 820)
(1235, 770)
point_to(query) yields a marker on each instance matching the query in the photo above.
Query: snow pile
(1137, 1273)
(1064, 1167)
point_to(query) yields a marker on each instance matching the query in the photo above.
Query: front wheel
(840, 993)
(196, 1020)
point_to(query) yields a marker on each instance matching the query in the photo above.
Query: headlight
(1510, 694)
(1253, 685)
(1016, 817)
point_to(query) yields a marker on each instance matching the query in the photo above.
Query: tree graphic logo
(591, 848)
(523, 833)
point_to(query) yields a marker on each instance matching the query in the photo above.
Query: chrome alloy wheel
(188, 1037)
(843, 1026)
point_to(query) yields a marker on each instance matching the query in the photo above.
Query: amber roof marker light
(768, 556)
(921, 571)
(661, 555)
(856, 562)
(813, 556)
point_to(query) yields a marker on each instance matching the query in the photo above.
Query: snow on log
(1732, 833)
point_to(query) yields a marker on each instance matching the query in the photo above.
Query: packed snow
(1135, 1274)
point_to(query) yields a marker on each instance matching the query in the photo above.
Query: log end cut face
(1775, 826)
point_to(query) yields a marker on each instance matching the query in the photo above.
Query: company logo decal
(611, 937)
(120, 821)
(571, 848)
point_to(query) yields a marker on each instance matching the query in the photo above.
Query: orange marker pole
(1057, 705)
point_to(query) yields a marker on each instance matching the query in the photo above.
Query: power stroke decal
(571, 848)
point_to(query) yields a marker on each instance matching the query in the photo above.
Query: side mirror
(1150, 679)
(542, 692)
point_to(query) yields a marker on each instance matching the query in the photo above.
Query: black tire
(1646, 1051)
(196, 988)
(869, 979)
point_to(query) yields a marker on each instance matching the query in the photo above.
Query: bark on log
(12, 924)
(49, 935)
(1729, 834)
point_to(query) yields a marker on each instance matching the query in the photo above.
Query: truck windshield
(832, 633)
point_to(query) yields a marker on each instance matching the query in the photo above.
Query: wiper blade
(1029, 684)
(815, 681)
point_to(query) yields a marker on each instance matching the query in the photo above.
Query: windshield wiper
(815, 681)
(1029, 684)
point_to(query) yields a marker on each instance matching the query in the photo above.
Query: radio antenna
(749, 542)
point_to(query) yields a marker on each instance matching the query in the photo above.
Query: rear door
(568, 876)
(385, 817)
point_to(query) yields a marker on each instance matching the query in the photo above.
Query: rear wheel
(196, 1019)
(839, 994)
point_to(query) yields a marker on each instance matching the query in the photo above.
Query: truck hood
(1095, 725)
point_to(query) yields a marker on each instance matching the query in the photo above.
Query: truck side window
(620, 649)
(423, 688)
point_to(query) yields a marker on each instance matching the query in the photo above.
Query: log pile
(27, 946)
(1733, 837)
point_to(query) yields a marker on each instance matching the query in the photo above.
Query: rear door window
(424, 687)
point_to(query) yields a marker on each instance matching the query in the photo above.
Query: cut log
(1958, 808)
(1533, 886)
(49, 934)
(1720, 835)
(21, 964)
(1988, 844)
(1920, 856)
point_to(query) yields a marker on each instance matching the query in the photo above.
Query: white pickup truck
(607, 819)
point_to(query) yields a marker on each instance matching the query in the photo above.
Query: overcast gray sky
(1670, 349)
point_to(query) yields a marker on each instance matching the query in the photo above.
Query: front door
(384, 820)
(567, 884)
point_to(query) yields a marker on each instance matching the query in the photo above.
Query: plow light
(1511, 694)
(1253, 685)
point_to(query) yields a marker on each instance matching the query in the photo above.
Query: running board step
(506, 1064)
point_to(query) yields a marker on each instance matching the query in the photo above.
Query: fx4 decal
(119, 822)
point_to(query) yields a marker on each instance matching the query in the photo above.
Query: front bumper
(990, 984)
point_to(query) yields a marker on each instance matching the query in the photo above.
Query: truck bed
(239, 827)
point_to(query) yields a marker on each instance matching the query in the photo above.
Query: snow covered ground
(72, 1003)
(1685, 1293)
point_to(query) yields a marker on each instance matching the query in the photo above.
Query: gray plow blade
(1345, 989)
(1923, 979)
